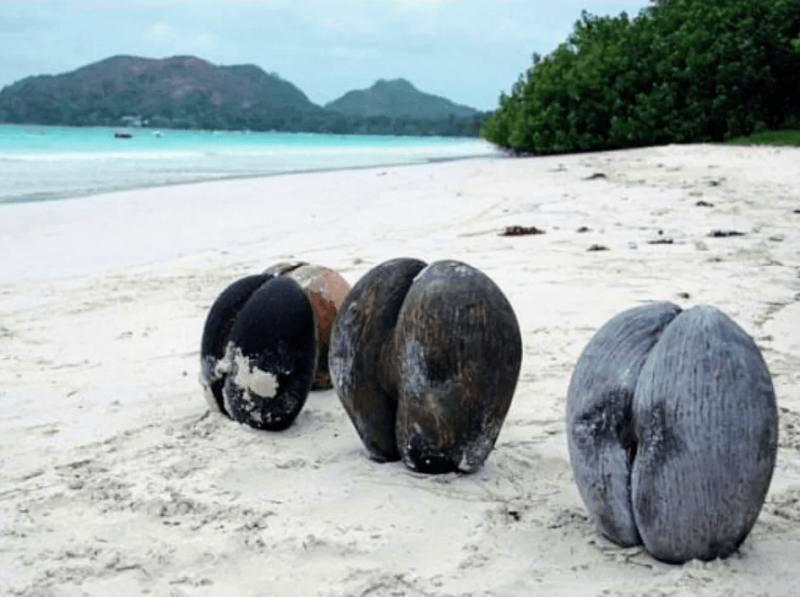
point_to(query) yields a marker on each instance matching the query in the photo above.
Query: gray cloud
(466, 50)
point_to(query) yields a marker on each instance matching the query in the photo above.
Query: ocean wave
(78, 162)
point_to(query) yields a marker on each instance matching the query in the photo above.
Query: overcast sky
(466, 50)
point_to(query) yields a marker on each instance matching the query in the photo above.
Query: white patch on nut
(249, 377)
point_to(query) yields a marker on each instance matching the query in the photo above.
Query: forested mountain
(397, 99)
(178, 91)
(188, 92)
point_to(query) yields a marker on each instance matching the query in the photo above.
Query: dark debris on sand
(521, 231)
(725, 233)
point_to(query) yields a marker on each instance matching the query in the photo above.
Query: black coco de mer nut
(258, 351)
(425, 359)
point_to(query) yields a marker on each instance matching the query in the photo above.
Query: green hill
(182, 91)
(397, 99)
(188, 92)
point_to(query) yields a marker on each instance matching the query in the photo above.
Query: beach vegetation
(783, 137)
(681, 71)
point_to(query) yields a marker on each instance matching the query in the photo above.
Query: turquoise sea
(40, 163)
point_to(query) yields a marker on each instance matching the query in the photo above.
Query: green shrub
(682, 71)
(786, 137)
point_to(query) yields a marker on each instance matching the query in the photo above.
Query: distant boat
(123, 134)
(158, 134)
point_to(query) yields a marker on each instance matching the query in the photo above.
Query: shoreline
(108, 191)
(501, 153)
(116, 479)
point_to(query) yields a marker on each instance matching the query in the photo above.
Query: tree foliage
(681, 71)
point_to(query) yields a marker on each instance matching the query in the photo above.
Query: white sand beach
(115, 480)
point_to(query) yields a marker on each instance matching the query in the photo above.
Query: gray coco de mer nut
(672, 426)
(425, 359)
